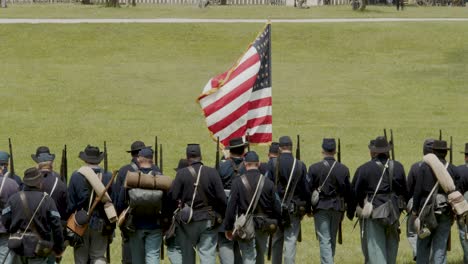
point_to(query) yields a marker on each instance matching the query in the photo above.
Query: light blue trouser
(363, 236)
(411, 234)
(197, 235)
(436, 243)
(93, 249)
(463, 242)
(382, 242)
(229, 252)
(4, 249)
(261, 241)
(248, 252)
(146, 246)
(26, 260)
(288, 239)
(173, 251)
(327, 223)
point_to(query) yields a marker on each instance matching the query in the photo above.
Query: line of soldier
(201, 209)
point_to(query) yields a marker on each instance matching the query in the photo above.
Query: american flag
(238, 102)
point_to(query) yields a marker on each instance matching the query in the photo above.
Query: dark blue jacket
(335, 188)
(229, 169)
(10, 187)
(60, 192)
(79, 193)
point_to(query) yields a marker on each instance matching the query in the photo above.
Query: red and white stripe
(232, 108)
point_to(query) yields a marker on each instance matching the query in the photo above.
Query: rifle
(340, 227)
(298, 149)
(156, 150)
(451, 150)
(161, 169)
(392, 144)
(440, 134)
(247, 138)
(270, 238)
(12, 164)
(217, 154)
(298, 156)
(105, 158)
(64, 166)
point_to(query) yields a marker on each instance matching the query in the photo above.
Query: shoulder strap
(286, 193)
(328, 175)
(391, 166)
(3, 183)
(197, 181)
(55, 185)
(256, 196)
(134, 166)
(246, 184)
(27, 212)
(380, 180)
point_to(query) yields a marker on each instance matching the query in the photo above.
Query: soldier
(8, 187)
(462, 171)
(291, 181)
(146, 238)
(199, 192)
(33, 222)
(273, 153)
(330, 181)
(353, 208)
(80, 197)
(118, 186)
(52, 185)
(268, 208)
(230, 169)
(4, 162)
(378, 185)
(435, 242)
(413, 173)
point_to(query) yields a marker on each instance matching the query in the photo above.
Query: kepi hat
(329, 144)
(4, 157)
(137, 145)
(91, 155)
(285, 141)
(251, 156)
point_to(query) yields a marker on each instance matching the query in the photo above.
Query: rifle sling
(202, 194)
(27, 212)
(289, 192)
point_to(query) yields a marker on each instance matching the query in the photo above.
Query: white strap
(55, 185)
(255, 195)
(430, 194)
(3, 183)
(380, 181)
(289, 181)
(329, 172)
(196, 187)
(34, 214)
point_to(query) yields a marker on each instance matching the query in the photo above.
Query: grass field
(80, 84)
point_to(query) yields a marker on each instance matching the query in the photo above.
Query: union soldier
(230, 169)
(462, 226)
(196, 226)
(33, 222)
(146, 238)
(268, 208)
(273, 153)
(118, 186)
(330, 180)
(413, 173)
(52, 185)
(353, 208)
(4, 163)
(173, 249)
(379, 184)
(434, 245)
(8, 187)
(80, 197)
(295, 201)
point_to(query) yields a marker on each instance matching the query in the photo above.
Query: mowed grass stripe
(80, 84)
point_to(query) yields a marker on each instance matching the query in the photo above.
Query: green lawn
(80, 84)
(262, 12)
